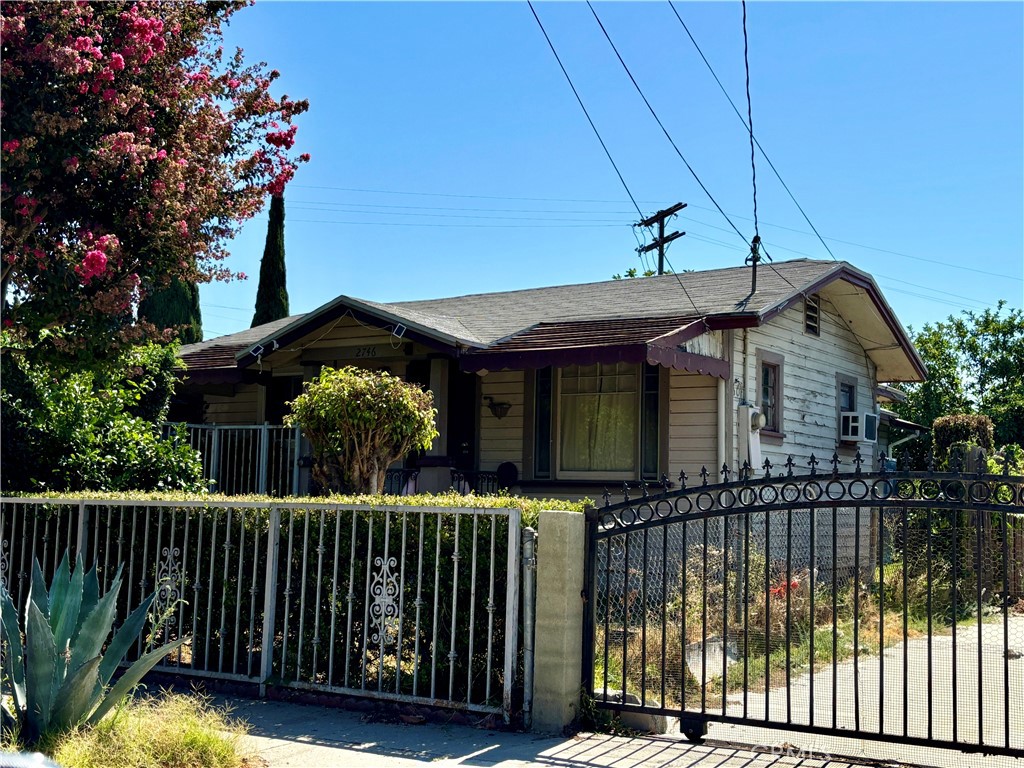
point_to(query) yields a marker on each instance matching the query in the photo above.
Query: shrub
(93, 431)
(970, 428)
(359, 422)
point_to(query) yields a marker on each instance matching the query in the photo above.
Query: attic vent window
(812, 315)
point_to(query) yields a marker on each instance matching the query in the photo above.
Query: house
(582, 387)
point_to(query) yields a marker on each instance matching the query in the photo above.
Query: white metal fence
(415, 604)
(259, 459)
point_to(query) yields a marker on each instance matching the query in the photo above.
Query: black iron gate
(883, 605)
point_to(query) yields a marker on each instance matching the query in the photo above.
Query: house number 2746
(366, 351)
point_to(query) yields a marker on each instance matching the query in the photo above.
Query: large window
(598, 421)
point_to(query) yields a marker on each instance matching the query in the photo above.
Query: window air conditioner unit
(858, 427)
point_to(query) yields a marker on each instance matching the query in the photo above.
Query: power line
(481, 226)
(450, 215)
(656, 203)
(583, 107)
(662, 125)
(748, 124)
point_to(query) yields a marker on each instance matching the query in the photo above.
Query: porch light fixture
(498, 409)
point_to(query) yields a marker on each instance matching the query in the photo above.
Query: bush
(970, 428)
(360, 422)
(93, 431)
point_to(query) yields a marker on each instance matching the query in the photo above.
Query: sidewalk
(286, 734)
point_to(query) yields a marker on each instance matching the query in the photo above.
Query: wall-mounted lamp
(498, 409)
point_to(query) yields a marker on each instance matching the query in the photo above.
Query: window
(812, 315)
(769, 390)
(599, 420)
(846, 402)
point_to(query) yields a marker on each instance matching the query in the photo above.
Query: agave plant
(59, 675)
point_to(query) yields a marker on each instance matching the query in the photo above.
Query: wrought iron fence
(877, 605)
(410, 603)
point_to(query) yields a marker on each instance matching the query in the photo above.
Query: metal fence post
(261, 478)
(529, 603)
(296, 451)
(215, 459)
(270, 599)
(511, 612)
(83, 525)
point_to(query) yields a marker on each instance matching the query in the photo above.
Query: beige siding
(692, 423)
(809, 388)
(241, 408)
(502, 439)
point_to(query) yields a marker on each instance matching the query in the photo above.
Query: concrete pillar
(558, 652)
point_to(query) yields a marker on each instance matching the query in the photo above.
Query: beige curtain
(598, 418)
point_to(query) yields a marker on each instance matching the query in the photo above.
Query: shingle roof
(489, 317)
(220, 352)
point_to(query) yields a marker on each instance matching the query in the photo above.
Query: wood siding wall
(238, 409)
(692, 423)
(502, 439)
(809, 386)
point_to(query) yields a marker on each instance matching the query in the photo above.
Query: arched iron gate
(883, 605)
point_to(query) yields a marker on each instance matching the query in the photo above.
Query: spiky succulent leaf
(40, 668)
(124, 638)
(37, 591)
(77, 696)
(90, 594)
(64, 619)
(131, 678)
(96, 627)
(14, 659)
(60, 588)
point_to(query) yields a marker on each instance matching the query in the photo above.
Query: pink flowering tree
(133, 148)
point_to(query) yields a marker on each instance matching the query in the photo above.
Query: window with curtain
(598, 419)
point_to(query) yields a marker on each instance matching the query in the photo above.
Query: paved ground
(297, 735)
(897, 704)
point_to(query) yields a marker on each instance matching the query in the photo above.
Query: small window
(846, 403)
(812, 315)
(847, 396)
(770, 390)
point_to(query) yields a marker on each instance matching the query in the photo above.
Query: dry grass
(165, 731)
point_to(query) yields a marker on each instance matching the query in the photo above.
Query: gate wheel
(693, 729)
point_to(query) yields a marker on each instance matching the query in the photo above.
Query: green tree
(174, 311)
(272, 293)
(975, 365)
(359, 422)
(134, 147)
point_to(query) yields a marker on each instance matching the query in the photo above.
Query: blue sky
(450, 156)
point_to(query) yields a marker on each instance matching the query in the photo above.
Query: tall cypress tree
(175, 306)
(272, 293)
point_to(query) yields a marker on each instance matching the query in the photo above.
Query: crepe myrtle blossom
(126, 120)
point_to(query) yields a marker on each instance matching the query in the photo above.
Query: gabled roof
(506, 329)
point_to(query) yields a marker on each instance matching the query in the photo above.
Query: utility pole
(662, 239)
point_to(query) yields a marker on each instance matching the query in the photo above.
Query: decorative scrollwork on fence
(384, 608)
(5, 565)
(168, 584)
